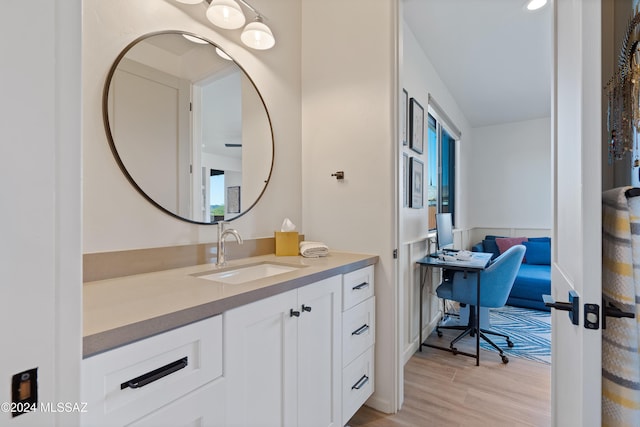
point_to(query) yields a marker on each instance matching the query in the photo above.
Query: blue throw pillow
(491, 246)
(538, 252)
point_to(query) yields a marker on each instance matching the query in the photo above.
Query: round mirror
(188, 127)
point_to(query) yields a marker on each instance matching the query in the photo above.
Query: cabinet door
(319, 350)
(261, 362)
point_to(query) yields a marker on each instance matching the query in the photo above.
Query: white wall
(419, 78)
(349, 76)
(509, 179)
(40, 254)
(115, 216)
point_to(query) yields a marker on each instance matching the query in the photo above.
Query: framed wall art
(416, 176)
(416, 126)
(233, 199)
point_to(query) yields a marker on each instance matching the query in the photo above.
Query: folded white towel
(313, 249)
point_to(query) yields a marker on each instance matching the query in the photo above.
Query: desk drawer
(123, 384)
(357, 384)
(357, 286)
(358, 330)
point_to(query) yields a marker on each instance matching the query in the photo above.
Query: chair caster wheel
(510, 343)
(505, 359)
(439, 334)
(454, 350)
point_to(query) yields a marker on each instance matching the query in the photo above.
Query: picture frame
(233, 199)
(416, 126)
(416, 176)
(404, 118)
(405, 180)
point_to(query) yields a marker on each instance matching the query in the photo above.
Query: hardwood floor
(446, 390)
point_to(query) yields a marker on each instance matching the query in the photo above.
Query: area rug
(530, 331)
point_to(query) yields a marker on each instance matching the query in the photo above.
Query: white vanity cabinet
(283, 358)
(170, 379)
(358, 339)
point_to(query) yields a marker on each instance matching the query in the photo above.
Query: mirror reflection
(188, 128)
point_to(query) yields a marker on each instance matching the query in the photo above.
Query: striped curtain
(621, 286)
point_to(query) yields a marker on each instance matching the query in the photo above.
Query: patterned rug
(530, 331)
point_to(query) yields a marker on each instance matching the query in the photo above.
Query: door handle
(611, 310)
(573, 306)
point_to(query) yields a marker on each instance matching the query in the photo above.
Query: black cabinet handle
(361, 382)
(156, 374)
(361, 330)
(360, 286)
(294, 313)
(306, 308)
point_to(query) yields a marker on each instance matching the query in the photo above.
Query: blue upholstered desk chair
(495, 284)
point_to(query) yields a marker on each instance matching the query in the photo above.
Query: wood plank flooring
(442, 389)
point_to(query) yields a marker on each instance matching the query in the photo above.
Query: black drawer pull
(360, 286)
(361, 382)
(361, 330)
(156, 374)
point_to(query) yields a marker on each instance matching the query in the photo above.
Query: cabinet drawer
(203, 407)
(358, 330)
(357, 286)
(123, 384)
(357, 384)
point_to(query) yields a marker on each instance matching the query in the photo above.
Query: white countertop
(125, 309)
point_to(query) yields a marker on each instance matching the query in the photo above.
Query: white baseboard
(382, 405)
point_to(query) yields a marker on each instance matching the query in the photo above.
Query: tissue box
(287, 243)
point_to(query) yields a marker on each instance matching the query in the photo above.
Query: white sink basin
(247, 273)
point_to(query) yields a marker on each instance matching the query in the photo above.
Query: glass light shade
(194, 39)
(226, 14)
(257, 35)
(222, 54)
(189, 1)
(535, 4)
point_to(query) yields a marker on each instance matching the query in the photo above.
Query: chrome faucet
(222, 234)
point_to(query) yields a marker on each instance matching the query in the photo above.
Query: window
(216, 195)
(441, 170)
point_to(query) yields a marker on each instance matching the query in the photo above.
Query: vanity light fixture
(228, 14)
(225, 14)
(535, 4)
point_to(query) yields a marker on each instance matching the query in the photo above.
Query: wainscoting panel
(431, 312)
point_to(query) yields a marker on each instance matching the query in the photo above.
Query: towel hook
(339, 175)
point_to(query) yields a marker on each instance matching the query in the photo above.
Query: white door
(261, 363)
(576, 263)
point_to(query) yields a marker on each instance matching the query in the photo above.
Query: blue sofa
(534, 276)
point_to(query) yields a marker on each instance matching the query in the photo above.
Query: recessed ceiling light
(535, 4)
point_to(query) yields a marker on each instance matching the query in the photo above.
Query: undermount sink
(247, 273)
